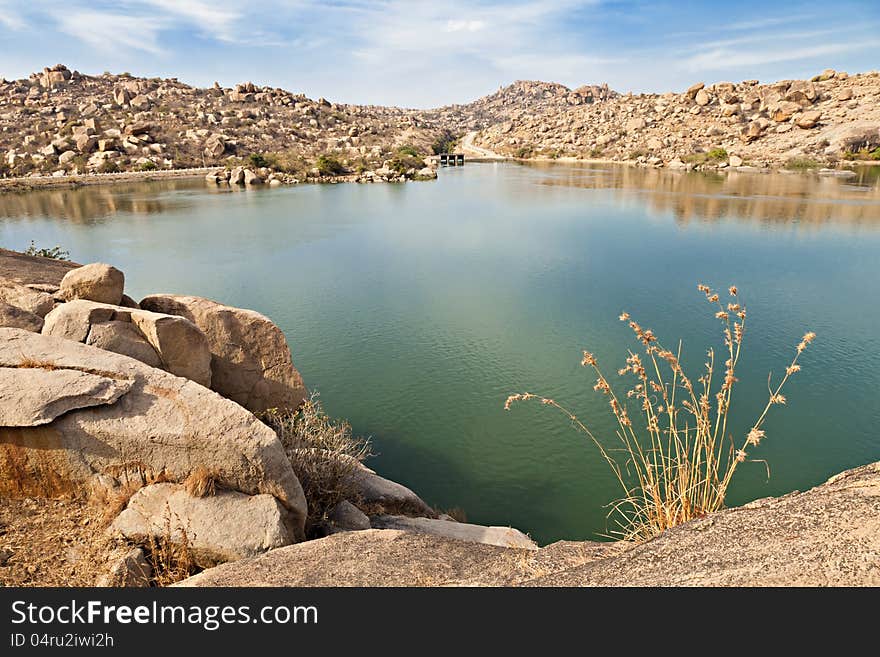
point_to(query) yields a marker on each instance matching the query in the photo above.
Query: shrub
(258, 160)
(678, 457)
(328, 165)
(108, 166)
(523, 152)
(802, 164)
(445, 143)
(717, 155)
(55, 253)
(324, 454)
(408, 150)
(404, 162)
(149, 165)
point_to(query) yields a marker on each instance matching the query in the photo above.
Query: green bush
(717, 155)
(802, 164)
(108, 166)
(328, 165)
(149, 165)
(445, 143)
(258, 160)
(408, 150)
(55, 253)
(523, 152)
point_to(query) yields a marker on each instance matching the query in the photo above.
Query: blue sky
(422, 54)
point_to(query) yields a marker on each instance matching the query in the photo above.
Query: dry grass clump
(170, 554)
(679, 458)
(32, 363)
(324, 454)
(202, 482)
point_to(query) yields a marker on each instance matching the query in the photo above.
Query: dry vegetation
(324, 454)
(679, 458)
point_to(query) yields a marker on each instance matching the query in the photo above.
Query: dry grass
(202, 482)
(324, 454)
(170, 554)
(33, 363)
(679, 457)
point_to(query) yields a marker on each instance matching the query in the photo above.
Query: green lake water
(415, 309)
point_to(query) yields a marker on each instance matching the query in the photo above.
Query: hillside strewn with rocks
(59, 122)
(820, 122)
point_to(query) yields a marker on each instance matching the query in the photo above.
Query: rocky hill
(515, 102)
(60, 121)
(805, 123)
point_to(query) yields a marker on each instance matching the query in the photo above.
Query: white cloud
(466, 26)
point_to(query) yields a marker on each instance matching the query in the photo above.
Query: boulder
(163, 425)
(95, 282)
(36, 394)
(127, 568)
(123, 338)
(462, 531)
(141, 103)
(250, 360)
(346, 517)
(694, 89)
(25, 298)
(784, 111)
(181, 347)
(809, 120)
(251, 178)
(15, 317)
(389, 496)
(236, 176)
(222, 527)
(702, 98)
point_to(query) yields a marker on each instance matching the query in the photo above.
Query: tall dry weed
(678, 457)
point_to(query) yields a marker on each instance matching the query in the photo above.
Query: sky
(425, 54)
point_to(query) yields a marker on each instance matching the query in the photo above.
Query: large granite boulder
(162, 426)
(168, 341)
(222, 527)
(250, 361)
(96, 282)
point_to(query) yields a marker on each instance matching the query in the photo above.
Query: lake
(415, 309)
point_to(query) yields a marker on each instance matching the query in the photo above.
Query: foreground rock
(501, 536)
(222, 527)
(385, 557)
(250, 360)
(827, 536)
(163, 425)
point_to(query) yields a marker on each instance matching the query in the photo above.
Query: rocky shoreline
(131, 437)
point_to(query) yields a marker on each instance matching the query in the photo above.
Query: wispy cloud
(727, 59)
(110, 32)
(9, 18)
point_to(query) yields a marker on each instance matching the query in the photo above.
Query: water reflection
(777, 198)
(90, 204)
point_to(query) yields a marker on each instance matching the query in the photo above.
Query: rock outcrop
(827, 536)
(160, 426)
(222, 527)
(462, 531)
(251, 362)
(174, 342)
(15, 317)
